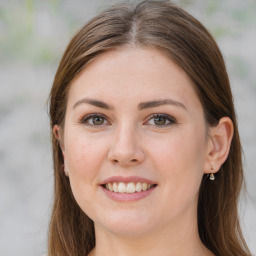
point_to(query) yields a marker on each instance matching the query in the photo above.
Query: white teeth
(130, 187)
(115, 189)
(121, 187)
(109, 186)
(144, 186)
(138, 187)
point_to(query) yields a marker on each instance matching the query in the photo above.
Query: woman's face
(135, 125)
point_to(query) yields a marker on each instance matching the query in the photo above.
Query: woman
(146, 149)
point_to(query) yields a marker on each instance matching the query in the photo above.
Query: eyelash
(170, 119)
(85, 120)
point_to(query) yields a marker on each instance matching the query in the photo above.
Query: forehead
(133, 73)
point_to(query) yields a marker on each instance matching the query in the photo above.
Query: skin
(130, 142)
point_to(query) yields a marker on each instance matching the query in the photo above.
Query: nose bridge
(125, 148)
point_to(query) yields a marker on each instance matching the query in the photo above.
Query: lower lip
(127, 197)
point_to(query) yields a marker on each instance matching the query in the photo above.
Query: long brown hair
(161, 25)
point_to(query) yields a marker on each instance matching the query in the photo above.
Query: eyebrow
(141, 106)
(157, 103)
(96, 103)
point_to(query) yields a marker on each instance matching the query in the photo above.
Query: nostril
(131, 161)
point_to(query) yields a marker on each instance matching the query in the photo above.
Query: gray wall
(33, 36)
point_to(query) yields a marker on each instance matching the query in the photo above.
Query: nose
(125, 148)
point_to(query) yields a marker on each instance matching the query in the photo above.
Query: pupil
(159, 120)
(98, 120)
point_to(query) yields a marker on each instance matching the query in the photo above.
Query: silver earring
(212, 177)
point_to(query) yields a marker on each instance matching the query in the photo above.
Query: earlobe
(59, 137)
(219, 144)
(57, 133)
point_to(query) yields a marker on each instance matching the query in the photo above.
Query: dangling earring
(212, 177)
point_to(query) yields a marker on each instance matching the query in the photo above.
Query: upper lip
(126, 180)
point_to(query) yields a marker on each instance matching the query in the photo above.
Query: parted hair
(164, 26)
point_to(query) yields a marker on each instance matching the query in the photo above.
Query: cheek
(180, 165)
(84, 157)
(179, 159)
(82, 154)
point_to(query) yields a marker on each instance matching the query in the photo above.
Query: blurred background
(33, 37)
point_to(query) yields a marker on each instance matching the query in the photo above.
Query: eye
(161, 120)
(94, 120)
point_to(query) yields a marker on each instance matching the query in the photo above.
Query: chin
(127, 231)
(129, 224)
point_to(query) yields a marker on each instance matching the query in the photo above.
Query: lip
(127, 197)
(127, 180)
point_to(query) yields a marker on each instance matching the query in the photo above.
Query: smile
(125, 189)
(131, 187)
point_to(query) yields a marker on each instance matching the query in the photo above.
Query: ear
(57, 131)
(218, 145)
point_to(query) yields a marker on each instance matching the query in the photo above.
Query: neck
(174, 239)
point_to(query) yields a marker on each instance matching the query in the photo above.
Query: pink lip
(126, 180)
(126, 197)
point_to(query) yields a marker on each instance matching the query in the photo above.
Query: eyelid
(171, 119)
(85, 118)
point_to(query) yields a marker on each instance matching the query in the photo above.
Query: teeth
(109, 186)
(138, 187)
(115, 188)
(130, 188)
(144, 186)
(121, 187)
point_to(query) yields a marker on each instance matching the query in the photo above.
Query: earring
(212, 177)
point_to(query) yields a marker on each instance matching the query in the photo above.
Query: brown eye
(94, 120)
(160, 120)
(98, 120)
